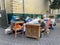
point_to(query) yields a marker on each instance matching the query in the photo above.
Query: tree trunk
(58, 10)
(51, 11)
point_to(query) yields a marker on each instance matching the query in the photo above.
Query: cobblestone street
(52, 39)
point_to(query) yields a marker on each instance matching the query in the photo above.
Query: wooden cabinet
(33, 30)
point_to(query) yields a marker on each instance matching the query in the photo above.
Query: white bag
(8, 30)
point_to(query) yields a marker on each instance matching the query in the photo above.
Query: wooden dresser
(33, 30)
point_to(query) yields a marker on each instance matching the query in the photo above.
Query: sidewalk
(53, 39)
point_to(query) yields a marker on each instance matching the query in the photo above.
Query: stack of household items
(31, 27)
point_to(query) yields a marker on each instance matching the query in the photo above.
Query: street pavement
(52, 39)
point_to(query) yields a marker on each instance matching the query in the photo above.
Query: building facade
(27, 7)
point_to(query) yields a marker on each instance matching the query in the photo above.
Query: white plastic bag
(8, 30)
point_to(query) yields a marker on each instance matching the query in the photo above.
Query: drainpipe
(23, 8)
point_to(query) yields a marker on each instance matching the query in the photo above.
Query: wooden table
(16, 29)
(33, 30)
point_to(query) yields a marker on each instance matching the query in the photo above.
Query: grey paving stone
(52, 39)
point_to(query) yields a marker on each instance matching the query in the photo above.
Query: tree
(55, 4)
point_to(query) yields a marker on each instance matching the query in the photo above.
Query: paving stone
(52, 39)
